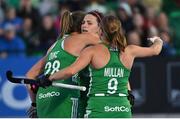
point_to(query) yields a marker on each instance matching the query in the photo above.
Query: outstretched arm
(82, 61)
(155, 49)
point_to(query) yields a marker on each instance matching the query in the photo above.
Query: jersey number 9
(112, 86)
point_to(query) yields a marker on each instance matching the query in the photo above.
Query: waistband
(112, 95)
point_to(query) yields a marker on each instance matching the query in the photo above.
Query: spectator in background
(62, 8)
(133, 38)
(46, 6)
(125, 15)
(12, 19)
(152, 31)
(27, 10)
(138, 22)
(149, 23)
(75, 4)
(29, 35)
(96, 5)
(154, 4)
(136, 6)
(3, 4)
(10, 44)
(162, 22)
(47, 33)
(1, 31)
(149, 18)
(1, 15)
(162, 25)
(168, 48)
(57, 22)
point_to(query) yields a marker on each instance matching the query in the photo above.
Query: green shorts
(55, 103)
(108, 107)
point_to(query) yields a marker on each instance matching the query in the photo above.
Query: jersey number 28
(52, 67)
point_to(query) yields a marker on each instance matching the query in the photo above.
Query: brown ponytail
(114, 32)
(71, 22)
(66, 23)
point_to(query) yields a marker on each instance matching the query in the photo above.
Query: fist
(43, 81)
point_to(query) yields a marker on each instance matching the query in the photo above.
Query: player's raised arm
(154, 49)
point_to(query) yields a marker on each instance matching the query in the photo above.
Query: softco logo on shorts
(49, 94)
(116, 109)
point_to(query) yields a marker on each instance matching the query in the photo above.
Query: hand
(43, 81)
(32, 111)
(131, 98)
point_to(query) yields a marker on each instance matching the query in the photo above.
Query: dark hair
(97, 14)
(113, 32)
(71, 22)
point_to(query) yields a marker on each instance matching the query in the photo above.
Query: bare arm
(155, 49)
(81, 62)
(33, 73)
(36, 69)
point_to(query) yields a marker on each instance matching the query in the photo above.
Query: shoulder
(130, 48)
(88, 51)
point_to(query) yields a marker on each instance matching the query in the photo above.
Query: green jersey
(54, 102)
(110, 80)
(110, 85)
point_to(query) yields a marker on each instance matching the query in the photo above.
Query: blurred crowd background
(29, 27)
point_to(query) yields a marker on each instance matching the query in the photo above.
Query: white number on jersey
(112, 86)
(52, 67)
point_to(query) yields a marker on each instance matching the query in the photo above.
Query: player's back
(110, 77)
